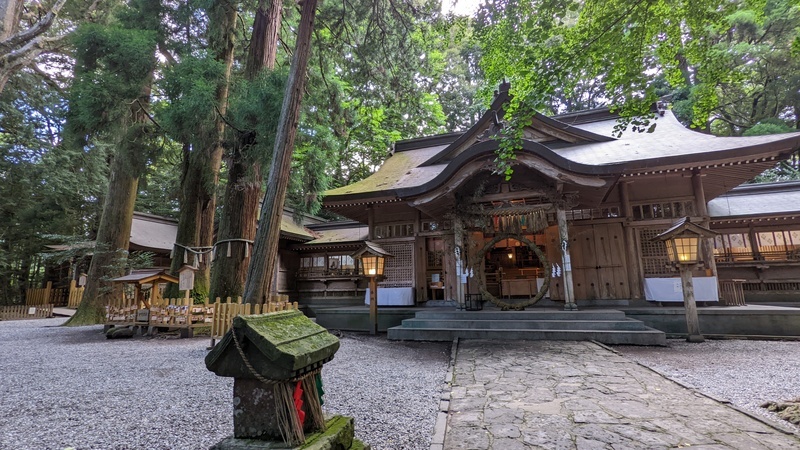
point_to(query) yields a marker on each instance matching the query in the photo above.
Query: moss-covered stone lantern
(276, 361)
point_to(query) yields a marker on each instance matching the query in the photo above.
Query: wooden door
(584, 262)
(598, 262)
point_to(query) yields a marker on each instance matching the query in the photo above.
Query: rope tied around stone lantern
(289, 420)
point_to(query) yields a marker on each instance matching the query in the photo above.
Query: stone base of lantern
(338, 435)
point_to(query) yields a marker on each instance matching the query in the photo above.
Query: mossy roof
(341, 236)
(400, 170)
(278, 345)
(292, 229)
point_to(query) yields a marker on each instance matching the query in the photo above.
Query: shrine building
(575, 222)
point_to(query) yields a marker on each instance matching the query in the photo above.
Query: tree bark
(259, 276)
(199, 199)
(264, 44)
(242, 193)
(114, 232)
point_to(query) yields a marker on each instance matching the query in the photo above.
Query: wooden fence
(22, 312)
(225, 312)
(75, 295)
(69, 297)
(180, 313)
(731, 292)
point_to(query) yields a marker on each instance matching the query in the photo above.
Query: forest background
(171, 107)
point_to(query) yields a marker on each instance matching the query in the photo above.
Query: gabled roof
(541, 129)
(146, 277)
(670, 145)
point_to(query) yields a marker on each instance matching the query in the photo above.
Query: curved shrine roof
(592, 150)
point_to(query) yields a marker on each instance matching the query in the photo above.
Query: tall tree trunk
(264, 43)
(265, 252)
(114, 232)
(237, 224)
(199, 199)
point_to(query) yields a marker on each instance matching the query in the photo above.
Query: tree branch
(42, 26)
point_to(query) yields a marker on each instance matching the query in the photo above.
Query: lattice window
(655, 260)
(396, 230)
(399, 271)
(664, 210)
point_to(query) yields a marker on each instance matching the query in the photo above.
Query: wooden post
(460, 256)
(692, 322)
(373, 305)
(631, 249)
(569, 292)
(702, 210)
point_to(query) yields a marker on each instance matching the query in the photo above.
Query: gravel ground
(745, 372)
(71, 387)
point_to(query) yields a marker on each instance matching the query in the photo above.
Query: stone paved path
(579, 395)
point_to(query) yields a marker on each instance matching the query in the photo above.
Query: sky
(461, 8)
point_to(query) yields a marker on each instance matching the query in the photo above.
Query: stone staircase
(606, 326)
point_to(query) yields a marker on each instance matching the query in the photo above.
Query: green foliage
(160, 188)
(377, 70)
(730, 61)
(45, 189)
(765, 127)
(191, 88)
(111, 64)
(253, 113)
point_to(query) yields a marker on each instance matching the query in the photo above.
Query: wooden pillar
(569, 292)
(702, 211)
(373, 305)
(459, 252)
(632, 254)
(692, 321)
(371, 222)
(420, 269)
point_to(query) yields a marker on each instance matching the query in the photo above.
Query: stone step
(533, 314)
(618, 337)
(590, 325)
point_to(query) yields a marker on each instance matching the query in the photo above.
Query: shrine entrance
(507, 256)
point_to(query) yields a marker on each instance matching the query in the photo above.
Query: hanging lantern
(683, 241)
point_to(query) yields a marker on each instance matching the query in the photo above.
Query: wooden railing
(731, 292)
(39, 296)
(71, 296)
(180, 313)
(21, 312)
